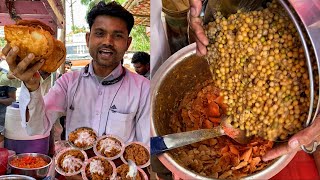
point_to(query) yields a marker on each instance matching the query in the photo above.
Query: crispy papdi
(33, 36)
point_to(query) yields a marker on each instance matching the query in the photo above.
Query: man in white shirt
(104, 95)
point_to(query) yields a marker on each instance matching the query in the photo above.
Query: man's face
(108, 40)
(141, 68)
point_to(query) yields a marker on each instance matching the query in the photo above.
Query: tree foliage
(76, 29)
(3, 42)
(140, 40)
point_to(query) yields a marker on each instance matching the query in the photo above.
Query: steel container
(37, 173)
(16, 177)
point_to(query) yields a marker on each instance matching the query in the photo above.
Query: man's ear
(87, 38)
(129, 42)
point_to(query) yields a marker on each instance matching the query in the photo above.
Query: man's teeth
(105, 51)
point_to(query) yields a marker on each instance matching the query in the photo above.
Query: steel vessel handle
(157, 145)
(310, 151)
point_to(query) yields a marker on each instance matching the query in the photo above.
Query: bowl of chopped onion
(82, 138)
(69, 161)
(35, 165)
(109, 146)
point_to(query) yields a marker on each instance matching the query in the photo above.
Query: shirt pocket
(120, 124)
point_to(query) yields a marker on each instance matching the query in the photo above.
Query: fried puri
(33, 36)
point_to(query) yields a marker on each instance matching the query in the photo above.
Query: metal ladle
(160, 144)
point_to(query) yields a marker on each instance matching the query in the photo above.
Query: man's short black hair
(141, 57)
(113, 9)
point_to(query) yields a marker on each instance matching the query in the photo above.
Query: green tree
(140, 40)
(3, 42)
(76, 29)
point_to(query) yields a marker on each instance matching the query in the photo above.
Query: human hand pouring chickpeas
(258, 62)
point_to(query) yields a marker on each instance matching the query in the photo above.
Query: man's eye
(118, 35)
(99, 33)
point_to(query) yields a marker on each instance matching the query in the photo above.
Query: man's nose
(108, 39)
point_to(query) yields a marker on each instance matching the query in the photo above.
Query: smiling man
(104, 95)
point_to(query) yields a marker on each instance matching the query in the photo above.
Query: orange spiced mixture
(219, 157)
(137, 153)
(29, 162)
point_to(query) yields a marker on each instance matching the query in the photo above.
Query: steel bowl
(141, 144)
(37, 173)
(88, 161)
(58, 165)
(98, 153)
(16, 177)
(178, 75)
(84, 148)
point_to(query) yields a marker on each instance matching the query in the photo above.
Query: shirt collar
(114, 74)
(147, 74)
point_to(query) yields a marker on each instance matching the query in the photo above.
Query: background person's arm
(12, 97)
(6, 80)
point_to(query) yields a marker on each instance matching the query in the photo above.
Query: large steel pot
(179, 74)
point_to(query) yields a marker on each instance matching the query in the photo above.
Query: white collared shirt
(121, 109)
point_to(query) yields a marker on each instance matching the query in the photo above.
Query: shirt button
(97, 113)
(100, 93)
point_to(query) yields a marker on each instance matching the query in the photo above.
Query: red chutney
(29, 162)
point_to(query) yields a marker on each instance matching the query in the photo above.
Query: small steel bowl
(88, 161)
(16, 177)
(143, 174)
(124, 160)
(87, 147)
(37, 173)
(98, 153)
(58, 167)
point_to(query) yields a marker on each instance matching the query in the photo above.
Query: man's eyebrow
(118, 31)
(98, 29)
(115, 31)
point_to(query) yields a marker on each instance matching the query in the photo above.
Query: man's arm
(40, 113)
(143, 115)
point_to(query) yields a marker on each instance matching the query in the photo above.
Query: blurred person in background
(141, 63)
(68, 66)
(7, 97)
(7, 79)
